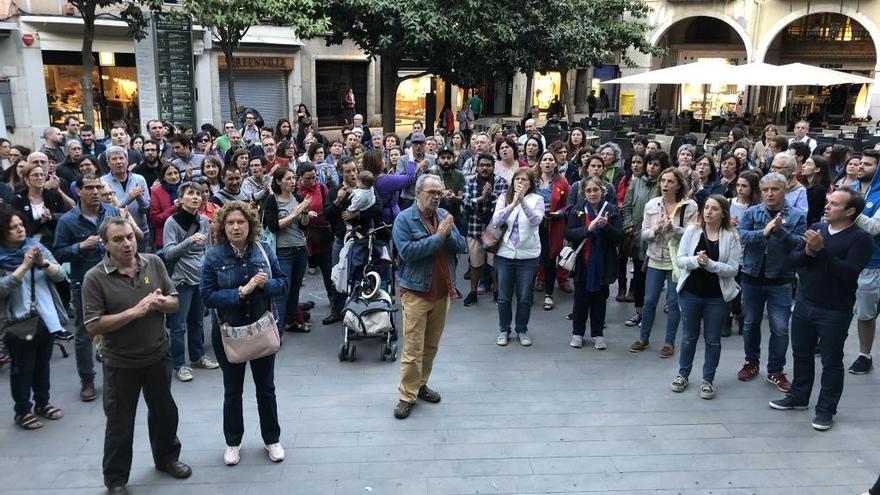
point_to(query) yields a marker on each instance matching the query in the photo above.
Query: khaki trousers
(423, 323)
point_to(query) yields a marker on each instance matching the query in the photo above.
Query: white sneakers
(184, 374)
(599, 343)
(276, 452)
(577, 341)
(232, 455)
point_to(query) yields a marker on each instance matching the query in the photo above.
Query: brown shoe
(667, 350)
(87, 391)
(403, 409)
(428, 395)
(638, 346)
(747, 372)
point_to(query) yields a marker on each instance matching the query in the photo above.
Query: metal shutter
(265, 91)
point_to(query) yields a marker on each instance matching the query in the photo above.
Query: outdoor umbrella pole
(703, 119)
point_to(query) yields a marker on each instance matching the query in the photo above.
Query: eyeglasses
(433, 193)
(204, 140)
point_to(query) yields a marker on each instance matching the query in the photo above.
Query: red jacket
(558, 200)
(161, 207)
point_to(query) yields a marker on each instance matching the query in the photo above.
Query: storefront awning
(271, 35)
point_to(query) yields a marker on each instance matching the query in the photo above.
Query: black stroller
(371, 305)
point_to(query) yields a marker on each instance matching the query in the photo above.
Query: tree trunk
(565, 94)
(230, 83)
(390, 81)
(88, 65)
(528, 103)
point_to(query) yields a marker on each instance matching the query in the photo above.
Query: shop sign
(258, 63)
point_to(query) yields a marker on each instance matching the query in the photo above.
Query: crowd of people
(137, 239)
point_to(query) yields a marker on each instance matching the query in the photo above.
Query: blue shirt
(74, 228)
(138, 207)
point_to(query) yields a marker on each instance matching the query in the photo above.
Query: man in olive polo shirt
(125, 300)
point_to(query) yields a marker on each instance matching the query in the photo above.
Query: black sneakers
(471, 299)
(822, 422)
(861, 366)
(787, 403)
(403, 409)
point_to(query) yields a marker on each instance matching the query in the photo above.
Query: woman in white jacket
(708, 255)
(516, 262)
(663, 224)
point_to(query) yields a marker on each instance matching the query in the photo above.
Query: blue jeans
(654, 280)
(809, 325)
(85, 363)
(293, 261)
(710, 312)
(778, 301)
(187, 326)
(515, 276)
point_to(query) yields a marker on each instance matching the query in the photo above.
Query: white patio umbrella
(810, 75)
(704, 72)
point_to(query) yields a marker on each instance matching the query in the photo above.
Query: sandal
(298, 327)
(28, 421)
(548, 303)
(49, 412)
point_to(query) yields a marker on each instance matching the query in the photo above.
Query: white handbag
(568, 256)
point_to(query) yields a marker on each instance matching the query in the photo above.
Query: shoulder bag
(254, 340)
(672, 245)
(24, 329)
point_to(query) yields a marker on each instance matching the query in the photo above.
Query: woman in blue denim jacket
(240, 276)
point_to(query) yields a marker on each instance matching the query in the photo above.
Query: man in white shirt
(800, 135)
(531, 128)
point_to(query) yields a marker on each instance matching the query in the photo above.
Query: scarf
(12, 258)
(184, 218)
(317, 194)
(593, 250)
(171, 189)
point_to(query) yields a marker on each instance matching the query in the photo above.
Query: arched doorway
(692, 39)
(834, 41)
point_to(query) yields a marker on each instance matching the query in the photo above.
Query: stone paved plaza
(545, 419)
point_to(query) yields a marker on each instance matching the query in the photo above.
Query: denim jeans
(187, 326)
(654, 280)
(515, 276)
(29, 370)
(710, 313)
(83, 349)
(263, 374)
(293, 263)
(590, 305)
(778, 301)
(829, 327)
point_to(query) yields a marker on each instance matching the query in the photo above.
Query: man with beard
(453, 184)
(481, 191)
(231, 187)
(868, 293)
(482, 144)
(149, 167)
(87, 138)
(188, 163)
(52, 143)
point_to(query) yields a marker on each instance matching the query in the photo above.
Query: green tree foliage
(461, 40)
(129, 11)
(230, 20)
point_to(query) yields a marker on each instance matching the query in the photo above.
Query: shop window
(114, 88)
(546, 87)
(332, 82)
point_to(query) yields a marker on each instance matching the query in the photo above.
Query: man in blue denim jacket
(77, 243)
(768, 231)
(427, 244)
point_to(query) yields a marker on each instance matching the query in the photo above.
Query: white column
(32, 83)
(203, 82)
(518, 95)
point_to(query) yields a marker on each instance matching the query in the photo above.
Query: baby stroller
(371, 306)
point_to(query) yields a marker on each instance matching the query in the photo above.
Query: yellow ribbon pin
(146, 280)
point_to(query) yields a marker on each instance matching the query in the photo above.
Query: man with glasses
(188, 163)
(427, 244)
(250, 133)
(149, 167)
(77, 243)
(422, 161)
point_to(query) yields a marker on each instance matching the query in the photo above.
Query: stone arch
(741, 31)
(770, 36)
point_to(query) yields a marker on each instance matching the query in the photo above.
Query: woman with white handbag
(240, 277)
(595, 227)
